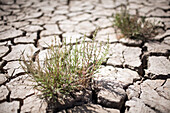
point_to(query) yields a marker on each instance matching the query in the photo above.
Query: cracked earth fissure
(133, 69)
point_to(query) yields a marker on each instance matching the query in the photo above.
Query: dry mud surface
(135, 78)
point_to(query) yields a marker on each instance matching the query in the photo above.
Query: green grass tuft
(134, 27)
(66, 69)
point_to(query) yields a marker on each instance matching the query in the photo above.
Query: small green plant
(66, 69)
(134, 27)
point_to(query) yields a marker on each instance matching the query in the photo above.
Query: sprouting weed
(67, 68)
(134, 27)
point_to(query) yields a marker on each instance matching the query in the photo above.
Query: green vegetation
(134, 27)
(66, 69)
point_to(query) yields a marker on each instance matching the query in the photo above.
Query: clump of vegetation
(66, 69)
(134, 27)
